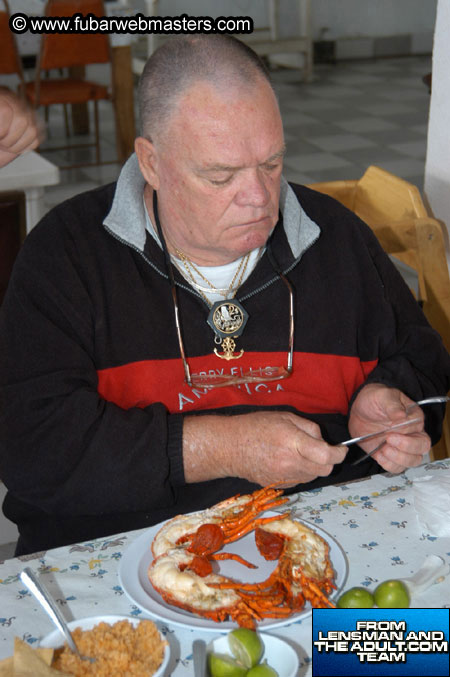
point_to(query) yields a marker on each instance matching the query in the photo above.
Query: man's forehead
(223, 128)
(223, 99)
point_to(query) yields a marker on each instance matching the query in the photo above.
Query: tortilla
(29, 662)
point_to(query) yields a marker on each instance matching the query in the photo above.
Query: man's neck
(199, 258)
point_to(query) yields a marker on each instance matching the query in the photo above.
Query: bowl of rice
(121, 645)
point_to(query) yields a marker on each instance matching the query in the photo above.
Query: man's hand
(377, 407)
(20, 131)
(262, 447)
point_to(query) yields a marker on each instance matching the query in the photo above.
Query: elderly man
(202, 327)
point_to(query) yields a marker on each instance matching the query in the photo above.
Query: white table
(30, 173)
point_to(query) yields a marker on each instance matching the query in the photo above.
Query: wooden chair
(10, 61)
(73, 51)
(393, 208)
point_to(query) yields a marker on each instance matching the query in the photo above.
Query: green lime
(246, 646)
(356, 598)
(262, 670)
(222, 665)
(392, 594)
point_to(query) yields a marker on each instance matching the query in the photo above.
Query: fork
(34, 585)
(354, 440)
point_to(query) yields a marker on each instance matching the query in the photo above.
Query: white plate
(278, 653)
(55, 639)
(135, 582)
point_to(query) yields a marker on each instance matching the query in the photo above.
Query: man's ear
(148, 161)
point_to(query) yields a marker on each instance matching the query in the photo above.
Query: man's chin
(254, 239)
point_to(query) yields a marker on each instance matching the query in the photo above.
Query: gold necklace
(226, 293)
(226, 318)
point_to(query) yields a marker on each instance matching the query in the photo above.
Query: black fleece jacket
(92, 393)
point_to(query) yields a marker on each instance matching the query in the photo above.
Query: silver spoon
(44, 598)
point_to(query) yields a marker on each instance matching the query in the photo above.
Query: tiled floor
(356, 114)
(353, 114)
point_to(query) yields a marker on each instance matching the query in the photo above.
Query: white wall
(356, 18)
(343, 18)
(437, 166)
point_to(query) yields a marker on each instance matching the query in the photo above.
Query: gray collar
(126, 218)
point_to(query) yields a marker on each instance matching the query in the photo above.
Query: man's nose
(253, 190)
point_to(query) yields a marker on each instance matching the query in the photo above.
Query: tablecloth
(373, 520)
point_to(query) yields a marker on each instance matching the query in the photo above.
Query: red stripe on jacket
(319, 384)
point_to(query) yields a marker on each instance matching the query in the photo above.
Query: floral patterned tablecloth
(374, 520)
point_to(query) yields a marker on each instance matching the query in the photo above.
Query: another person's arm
(20, 130)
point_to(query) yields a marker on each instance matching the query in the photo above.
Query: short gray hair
(182, 61)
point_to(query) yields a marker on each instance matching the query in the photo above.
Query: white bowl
(278, 653)
(55, 639)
